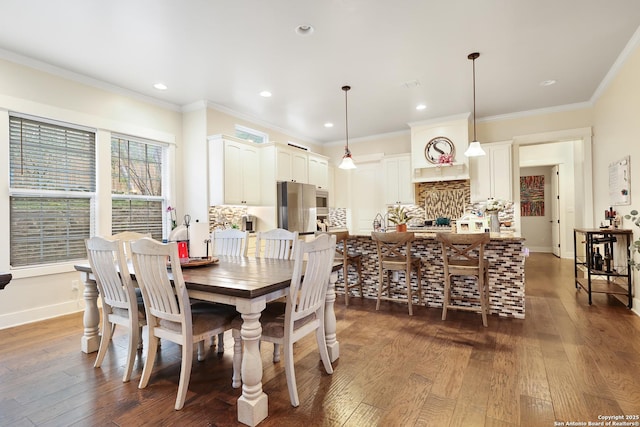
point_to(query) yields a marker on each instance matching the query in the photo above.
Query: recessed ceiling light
(420, 107)
(265, 94)
(328, 125)
(304, 30)
(547, 82)
(160, 86)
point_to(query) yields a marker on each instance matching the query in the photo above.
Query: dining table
(248, 283)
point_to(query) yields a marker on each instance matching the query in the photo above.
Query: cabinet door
(233, 174)
(284, 171)
(251, 176)
(501, 172)
(398, 184)
(319, 172)
(300, 167)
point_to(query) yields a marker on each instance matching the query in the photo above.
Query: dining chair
(303, 312)
(463, 255)
(127, 237)
(168, 309)
(119, 303)
(394, 255)
(348, 258)
(230, 242)
(277, 244)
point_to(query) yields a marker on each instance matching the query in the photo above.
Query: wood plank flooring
(566, 362)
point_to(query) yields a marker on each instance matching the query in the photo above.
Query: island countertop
(505, 253)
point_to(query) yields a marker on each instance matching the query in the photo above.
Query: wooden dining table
(246, 283)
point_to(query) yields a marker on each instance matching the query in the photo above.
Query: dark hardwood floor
(566, 362)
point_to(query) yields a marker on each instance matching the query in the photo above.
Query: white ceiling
(227, 51)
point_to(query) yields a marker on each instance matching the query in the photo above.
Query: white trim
(369, 138)
(441, 121)
(53, 122)
(540, 111)
(38, 314)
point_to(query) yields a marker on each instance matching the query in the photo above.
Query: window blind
(52, 181)
(142, 216)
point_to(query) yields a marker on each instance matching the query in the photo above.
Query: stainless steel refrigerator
(297, 207)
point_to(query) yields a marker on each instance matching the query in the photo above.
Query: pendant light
(347, 161)
(475, 149)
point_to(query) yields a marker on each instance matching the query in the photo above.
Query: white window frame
(264, 137)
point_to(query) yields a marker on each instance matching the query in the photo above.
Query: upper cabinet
(491, 175)
(291, 165)
(319, 171)
(234, 172)
(398, 187)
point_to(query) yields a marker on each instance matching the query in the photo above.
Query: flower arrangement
(445, 159)
(398, 215)
(494, 205)
(635, 245)
(172, 216)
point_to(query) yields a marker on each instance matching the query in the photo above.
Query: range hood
(448, 135)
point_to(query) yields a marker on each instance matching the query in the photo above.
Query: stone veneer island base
(506, 273)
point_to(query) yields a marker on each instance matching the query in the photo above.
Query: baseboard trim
(24, 317)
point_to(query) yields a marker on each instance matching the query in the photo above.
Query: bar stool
(348, 258)
(394, 254)
(463, 255)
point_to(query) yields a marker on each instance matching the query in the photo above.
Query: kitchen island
(506, 272)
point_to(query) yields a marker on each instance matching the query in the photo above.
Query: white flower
(494, 205)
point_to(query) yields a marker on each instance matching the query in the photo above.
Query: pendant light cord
(473, 57)
(346, 118)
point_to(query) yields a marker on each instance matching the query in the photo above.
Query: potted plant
(635, 246)
(398, 215)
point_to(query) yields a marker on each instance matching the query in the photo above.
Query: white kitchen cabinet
(234, 172)
(319, 171)
(398, 188)
(491, 175)
(292, 165)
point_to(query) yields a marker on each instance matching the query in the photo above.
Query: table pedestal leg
(90, 341)
(330, 319)
(253, 404)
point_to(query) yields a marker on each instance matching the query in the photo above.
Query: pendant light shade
(475, 149)
(347, 161)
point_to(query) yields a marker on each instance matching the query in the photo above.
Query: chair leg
(291, 374)
(201, 351)
(484, 304)
(236, 379)
(107, 330)
(322, 348)
(134, 337)
(185, 373)
(140, 344)
(419, 274)
(345, 274)
(152, 349)
(276, 353)
(360, 277)
(380, 285)
(408, 283)
(221, 343)
(447, 296)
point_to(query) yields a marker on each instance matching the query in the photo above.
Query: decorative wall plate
(438, 146)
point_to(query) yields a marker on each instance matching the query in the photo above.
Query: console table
(613, 276)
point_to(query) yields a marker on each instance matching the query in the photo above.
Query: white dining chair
(231, 242)
(168, 308)
(126, 237)
(276, 244)
(302, 314)
(119, 303)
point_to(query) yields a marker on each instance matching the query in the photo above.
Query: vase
(494, 222)
(401, 228)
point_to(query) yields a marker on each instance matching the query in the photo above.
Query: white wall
(48, 291)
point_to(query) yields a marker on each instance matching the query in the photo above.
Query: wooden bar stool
(394, 254)
(463, 255)
(348, 258)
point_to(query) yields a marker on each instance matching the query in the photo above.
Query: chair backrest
(127, 237)
(310, 279)
(278, 243)
(341, 243)
(161, 299)
(463, 249)
(109, 266)
(395, 246)
(231, 241)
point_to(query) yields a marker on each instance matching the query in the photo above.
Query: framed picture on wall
(620, 182)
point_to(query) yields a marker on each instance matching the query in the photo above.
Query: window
(136, 186)
(249, 134)
(51, 184)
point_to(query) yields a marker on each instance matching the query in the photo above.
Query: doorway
(539, 213)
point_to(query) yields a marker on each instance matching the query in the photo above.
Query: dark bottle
(597, 260)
